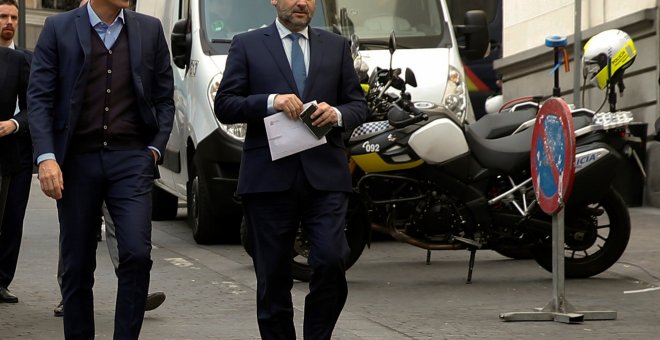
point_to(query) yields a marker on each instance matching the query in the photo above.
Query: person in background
(15, 147)
(277, 69)
(101, 108)
(154, 300)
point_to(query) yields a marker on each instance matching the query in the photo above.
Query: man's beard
(7, 35)
(293, 23)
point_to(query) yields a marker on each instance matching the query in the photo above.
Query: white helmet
(606, 55)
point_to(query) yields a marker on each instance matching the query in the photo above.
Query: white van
(201, 162)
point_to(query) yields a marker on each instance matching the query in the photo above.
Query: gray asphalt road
(393, 294)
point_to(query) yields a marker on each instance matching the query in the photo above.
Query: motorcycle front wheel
(595, 237)
(357, 230)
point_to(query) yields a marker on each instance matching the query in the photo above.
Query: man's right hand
(50, 178)
(289, 104)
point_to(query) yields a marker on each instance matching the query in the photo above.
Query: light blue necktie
(297, 62)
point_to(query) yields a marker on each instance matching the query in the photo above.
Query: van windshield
(416, 23)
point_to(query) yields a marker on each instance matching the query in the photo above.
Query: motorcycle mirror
(392, 46)
(392, 43)
(410, 78)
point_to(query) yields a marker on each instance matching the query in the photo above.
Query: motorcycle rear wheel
(595, 237)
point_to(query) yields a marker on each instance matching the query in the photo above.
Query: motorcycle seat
(496, 125)
(508, 154)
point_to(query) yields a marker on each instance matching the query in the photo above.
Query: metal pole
(21, 24)
(577, 54)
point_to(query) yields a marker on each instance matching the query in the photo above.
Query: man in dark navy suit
(15, 148)
(101, 110)
(278, 68)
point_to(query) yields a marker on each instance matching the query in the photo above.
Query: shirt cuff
(270, 104)
(155, 149)
(45, 157)
(340, 122)
(17, 125)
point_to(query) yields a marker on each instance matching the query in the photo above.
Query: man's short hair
(9, 2)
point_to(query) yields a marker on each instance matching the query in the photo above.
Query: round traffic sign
(553, 155)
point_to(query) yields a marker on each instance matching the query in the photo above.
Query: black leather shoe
(59, 310)
(6, 296)
(154, 300)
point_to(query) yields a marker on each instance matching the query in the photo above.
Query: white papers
(287, 136)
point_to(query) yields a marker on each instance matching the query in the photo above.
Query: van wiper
(218, 41)
(370, 44)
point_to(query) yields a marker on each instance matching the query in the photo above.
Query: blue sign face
(550, 151)
(552, 155)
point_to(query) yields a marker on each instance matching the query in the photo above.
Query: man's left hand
(7, 127)
(324, 114)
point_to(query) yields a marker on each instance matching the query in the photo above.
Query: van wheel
(201, 218)
(164, 205)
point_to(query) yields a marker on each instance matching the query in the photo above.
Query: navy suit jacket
(15, 149)
(257, 67)
(60, 67)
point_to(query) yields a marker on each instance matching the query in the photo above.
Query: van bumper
(217, 160)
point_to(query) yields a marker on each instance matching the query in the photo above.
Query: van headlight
(236, 131)
(455, 98)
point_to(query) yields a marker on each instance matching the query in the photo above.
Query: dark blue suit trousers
(274, 219)
(124, 180)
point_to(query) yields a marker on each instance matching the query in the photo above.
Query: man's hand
(289, 104)
(155, 155)
(50, 178)
(7, 127)
(324, 114)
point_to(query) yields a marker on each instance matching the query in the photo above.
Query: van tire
(164, 205)
(200, 214)
(207, 224)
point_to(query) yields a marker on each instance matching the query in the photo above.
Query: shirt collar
(12, 45)
(95, 20)
(285, 31)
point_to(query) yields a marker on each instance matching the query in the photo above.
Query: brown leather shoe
(6, 296)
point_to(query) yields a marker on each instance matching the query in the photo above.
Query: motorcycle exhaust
(399, 236)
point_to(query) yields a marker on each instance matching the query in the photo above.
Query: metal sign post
(553, 168)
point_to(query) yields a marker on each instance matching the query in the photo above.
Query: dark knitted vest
(109, 117)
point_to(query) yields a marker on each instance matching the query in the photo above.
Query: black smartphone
(306, 117)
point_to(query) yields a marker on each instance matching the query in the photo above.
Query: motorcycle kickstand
(428, 257)
(473, 252)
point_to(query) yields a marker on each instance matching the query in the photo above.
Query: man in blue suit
(277, 68)
(101, 110)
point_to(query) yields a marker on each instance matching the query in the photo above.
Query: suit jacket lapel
(274, 46)
(83, 27)
(316, 47)
(132, 26)
(84, 31)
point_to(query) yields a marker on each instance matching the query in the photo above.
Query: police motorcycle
(438, 183)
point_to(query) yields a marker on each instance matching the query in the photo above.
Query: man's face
(8, 21)
(295, 14)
